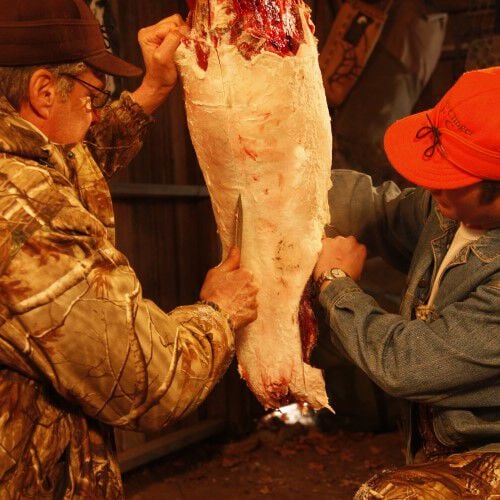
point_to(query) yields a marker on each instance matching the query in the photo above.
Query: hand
(232, 288)
(158, 44)
(342, 253)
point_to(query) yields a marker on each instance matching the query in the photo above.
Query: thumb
(232, 261)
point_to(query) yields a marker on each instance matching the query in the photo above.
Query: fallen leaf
(316, 466)
(346, 456)
(266, 480)
(371, 464)
(255, 466)
(321, 451)
(196, 475)
(242, 447)
(301, 447)
(287, 452)
(348, 482)
(228, 462)
(265, 490)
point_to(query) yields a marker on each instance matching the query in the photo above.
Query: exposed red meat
(308, 323)
(255, 25)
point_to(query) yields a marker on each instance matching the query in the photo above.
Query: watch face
(337, 273)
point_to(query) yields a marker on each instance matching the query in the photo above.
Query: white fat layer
(261, 128)
(222, 13)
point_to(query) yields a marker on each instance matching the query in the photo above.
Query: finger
(165, 52)
(174, 19)
(156, 34)
(232, 261)
(254, 315)
(338, 239)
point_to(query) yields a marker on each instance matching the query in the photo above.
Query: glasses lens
(99, 100)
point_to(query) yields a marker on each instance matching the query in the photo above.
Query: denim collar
(486, 248)
(444, 223)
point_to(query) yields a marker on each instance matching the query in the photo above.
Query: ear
(42, 93)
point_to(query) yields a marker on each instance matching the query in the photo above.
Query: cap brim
(406, 154)
(113, 65)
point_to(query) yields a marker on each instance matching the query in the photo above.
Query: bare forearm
(150, 98)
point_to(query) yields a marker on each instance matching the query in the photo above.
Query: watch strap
(329, 276)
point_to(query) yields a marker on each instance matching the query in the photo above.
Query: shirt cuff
(131, 115)
(336, 290)
(207, 320)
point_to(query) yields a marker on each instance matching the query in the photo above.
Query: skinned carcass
(260, 126)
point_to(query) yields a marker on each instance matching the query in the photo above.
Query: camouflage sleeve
(72, 314)
(116, 138)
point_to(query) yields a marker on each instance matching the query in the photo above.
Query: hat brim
(112, 65)
(406, 154)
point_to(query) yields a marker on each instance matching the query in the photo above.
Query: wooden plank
(188, 243)
(157, 448)
(144, 190)
(324, 12)
(497, 17)
(125, 440)
(466, 26)
(453, 6)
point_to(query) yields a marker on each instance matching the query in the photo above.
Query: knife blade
(238, 223)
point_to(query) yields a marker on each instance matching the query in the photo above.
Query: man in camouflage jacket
(80, 349)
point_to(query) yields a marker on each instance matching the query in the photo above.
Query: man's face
(73, 115)
(464, 205)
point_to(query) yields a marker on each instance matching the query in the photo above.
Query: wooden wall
(468, 20)
(164, 221)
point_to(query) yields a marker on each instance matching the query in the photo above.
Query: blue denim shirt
(450, 356)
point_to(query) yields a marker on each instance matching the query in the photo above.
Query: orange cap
(455, 144)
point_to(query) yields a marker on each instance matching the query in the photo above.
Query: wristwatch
(333, 274)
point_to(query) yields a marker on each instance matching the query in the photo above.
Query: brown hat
(36, 32)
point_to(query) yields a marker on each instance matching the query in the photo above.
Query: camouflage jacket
(80, 349)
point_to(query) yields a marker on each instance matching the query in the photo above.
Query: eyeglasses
(98, 100)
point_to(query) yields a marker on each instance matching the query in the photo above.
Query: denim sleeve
(387, 220)
(445, 362)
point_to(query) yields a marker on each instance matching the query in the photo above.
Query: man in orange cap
(442, 353)
(80, 348)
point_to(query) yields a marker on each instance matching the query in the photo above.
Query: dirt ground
(277, 461)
